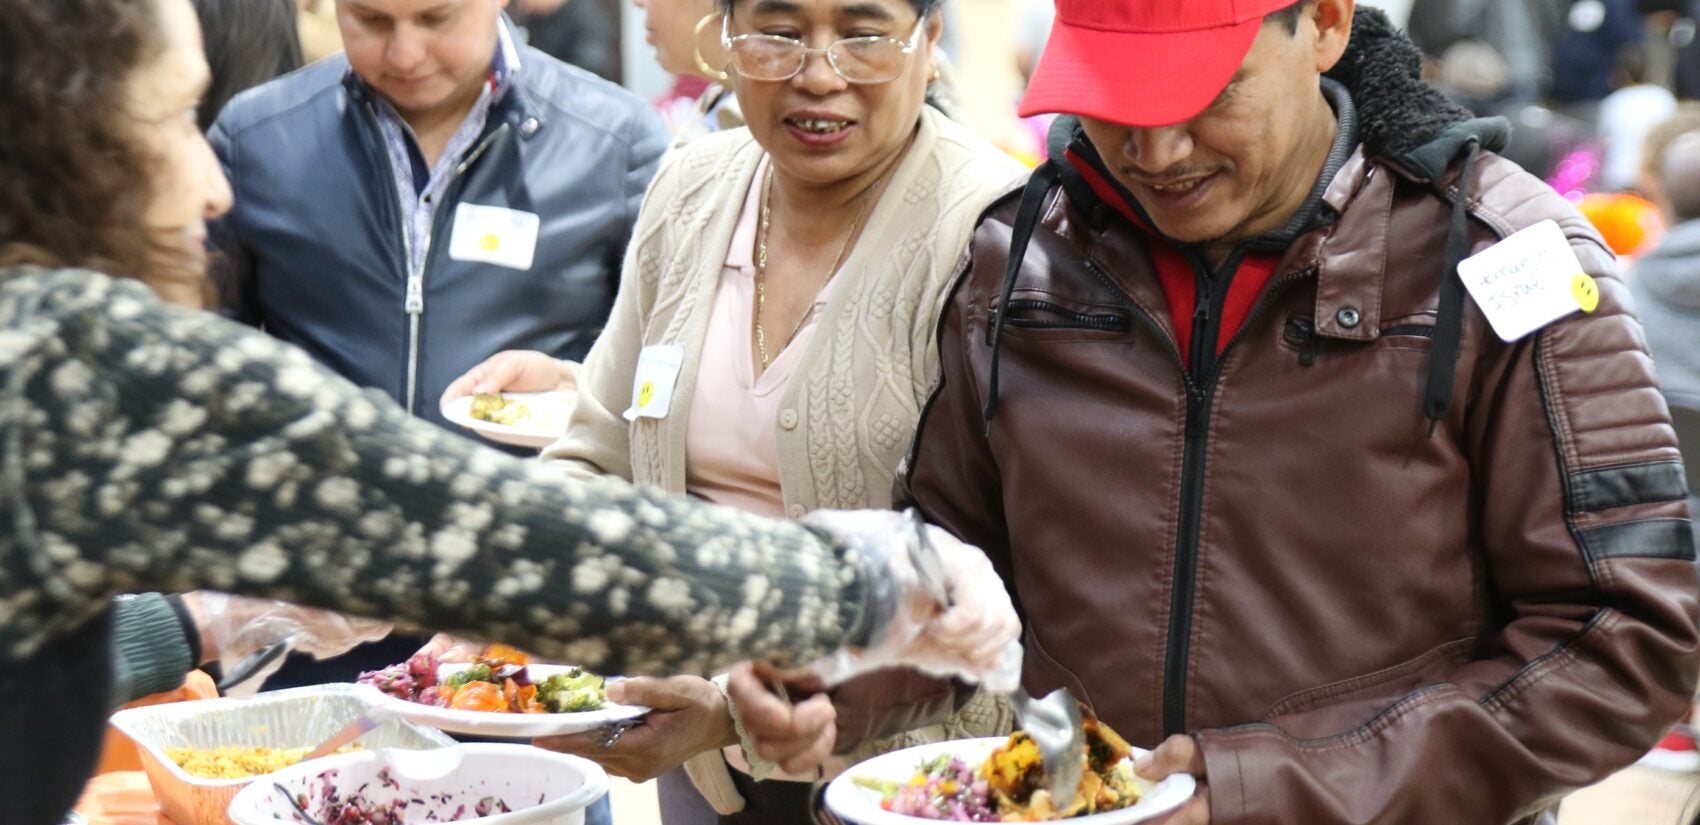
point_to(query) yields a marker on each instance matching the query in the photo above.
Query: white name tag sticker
(652, 386)
(494, 235)
(1528, 280)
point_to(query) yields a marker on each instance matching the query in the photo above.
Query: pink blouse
(731, 452)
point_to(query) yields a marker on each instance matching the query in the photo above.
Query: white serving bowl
(540, 787)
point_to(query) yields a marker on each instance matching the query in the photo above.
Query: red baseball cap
(1143, 62)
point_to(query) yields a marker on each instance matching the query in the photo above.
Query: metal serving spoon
(1054, 722)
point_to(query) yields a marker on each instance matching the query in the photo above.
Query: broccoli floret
(476, 673)
(575, 691)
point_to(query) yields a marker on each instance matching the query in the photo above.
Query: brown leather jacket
(1363, 615)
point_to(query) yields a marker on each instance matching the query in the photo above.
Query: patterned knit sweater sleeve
(143, 446)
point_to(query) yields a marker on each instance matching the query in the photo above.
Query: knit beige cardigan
(847, 414)
(850, 408)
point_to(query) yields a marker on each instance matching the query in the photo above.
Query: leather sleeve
(888, 702)
(1584, 535)
(950, 473)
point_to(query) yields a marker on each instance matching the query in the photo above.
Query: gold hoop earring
(712, 73)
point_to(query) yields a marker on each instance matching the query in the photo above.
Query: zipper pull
(1301, 333)
(415, 301)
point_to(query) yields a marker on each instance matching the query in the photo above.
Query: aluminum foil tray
(295, 718)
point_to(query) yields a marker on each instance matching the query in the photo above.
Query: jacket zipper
(1209, 295)
(1200, 378)
(1067, 318)
(1198, 398)
(414, 302)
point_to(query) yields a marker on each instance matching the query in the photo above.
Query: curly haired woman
(144, 444)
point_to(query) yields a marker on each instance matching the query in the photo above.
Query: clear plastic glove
(976, 638)
(232, 627)
(514, 371)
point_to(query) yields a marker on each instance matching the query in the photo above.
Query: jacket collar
(1351, 260)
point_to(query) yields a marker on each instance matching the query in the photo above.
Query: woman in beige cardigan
(737, 367)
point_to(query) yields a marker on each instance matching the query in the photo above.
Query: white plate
(508, 725)
(862, 805)
(528, 433)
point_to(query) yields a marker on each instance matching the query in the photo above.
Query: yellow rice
(235, 762)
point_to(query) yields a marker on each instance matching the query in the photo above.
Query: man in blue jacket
(436, 195)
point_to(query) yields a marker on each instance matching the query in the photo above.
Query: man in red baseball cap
(1217, 130)
(1315, 441)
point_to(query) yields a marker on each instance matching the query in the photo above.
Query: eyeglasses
(869, 59)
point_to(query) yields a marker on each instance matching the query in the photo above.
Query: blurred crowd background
(1595, 89)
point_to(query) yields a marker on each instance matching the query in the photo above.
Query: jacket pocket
(1051, 321)
(1408, 333)
(1353, 701)
(1299, 335)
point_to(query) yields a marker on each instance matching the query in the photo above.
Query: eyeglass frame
(910, 44)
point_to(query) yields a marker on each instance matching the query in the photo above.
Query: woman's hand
(688, 716)
(515, 370)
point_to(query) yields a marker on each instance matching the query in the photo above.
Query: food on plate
(1008, 785)
(575, 691)
(943, 787)
(1015, 776)
(414, 680)
(499, 409)
(236, 762)
(540, 412)
(386, 804)
(499, 680)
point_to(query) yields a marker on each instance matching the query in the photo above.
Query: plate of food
(998, 779)
(499, 693)
(524, 419)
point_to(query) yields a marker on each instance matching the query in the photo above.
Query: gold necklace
(761, 258)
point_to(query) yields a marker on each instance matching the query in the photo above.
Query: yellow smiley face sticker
(489, 242)
(646, 393)
(1586, 291)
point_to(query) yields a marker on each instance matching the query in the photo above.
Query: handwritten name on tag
(1528, 280)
